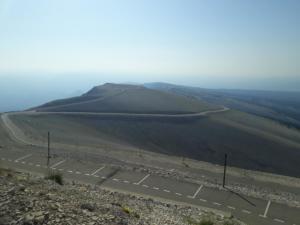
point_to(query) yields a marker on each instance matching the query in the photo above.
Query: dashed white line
(96, 171)
(9, 160)
(38, 165)
(23, 157)
(59, 169)
(231, 207)
(57, 164)
(155, 188)
(203, 200)
(103, 177)
(115, 179)
(246, 211)
(126, 181)
(279, 220)
(216, 203)
(23, 162)
(3, 159)
(165, 190)
(87, 174)
(178, 194)
(145, 186)
(77, 172)
(70, 171)
(142, 180)
(96, 176)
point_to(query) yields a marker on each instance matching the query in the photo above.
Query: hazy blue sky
(225, 43)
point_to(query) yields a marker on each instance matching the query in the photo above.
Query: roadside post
(224, 175)
(48, 156)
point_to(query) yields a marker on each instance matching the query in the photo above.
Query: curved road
(18, 135)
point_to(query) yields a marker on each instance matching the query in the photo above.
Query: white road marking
(87, 174)
(155, 188)
(57, 164)
(96, 171)
(267, 209)
(103, 177)
(202, 200)
(96, 176)
(23, 162)
(246, 211)
(216, 203)
(115, 179)
(59, 169)
(279, 220)
(70, 171)
(231, 207)
(24, 157)
(198, 190)
(9, 160)
(178, 194)
(126, 181)
(142, 180)
(145, 186)
(165, 190)
(2, 158)
(77, 172)
(37, 165)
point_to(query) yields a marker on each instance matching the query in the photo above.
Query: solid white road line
(142, 180)
(24, 157)
(267, 209)
(57, 164)
(198, 190)
(96, 171)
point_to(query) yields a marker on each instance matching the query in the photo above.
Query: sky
(208, 43)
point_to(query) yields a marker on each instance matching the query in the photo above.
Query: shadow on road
(240, 196)
(110, 175)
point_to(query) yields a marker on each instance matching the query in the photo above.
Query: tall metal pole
(224, 175)
(48, 157)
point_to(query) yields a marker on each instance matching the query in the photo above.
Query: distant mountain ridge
(125, 98)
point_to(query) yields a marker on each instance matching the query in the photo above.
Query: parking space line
(142, 180)
(196, 193)
(57, 164)
(266, 210)
(23, 157)
(96, 171)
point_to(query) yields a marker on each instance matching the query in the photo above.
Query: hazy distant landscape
(250, 140)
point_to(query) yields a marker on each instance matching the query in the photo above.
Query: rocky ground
(30, 200)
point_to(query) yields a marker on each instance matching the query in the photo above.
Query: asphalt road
(248, 209)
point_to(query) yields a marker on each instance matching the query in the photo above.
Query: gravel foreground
(30, 200)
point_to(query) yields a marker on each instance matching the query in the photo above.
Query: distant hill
(283, 107)
(123, 98)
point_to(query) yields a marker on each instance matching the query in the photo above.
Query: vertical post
(48, 157)
(224, 175)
